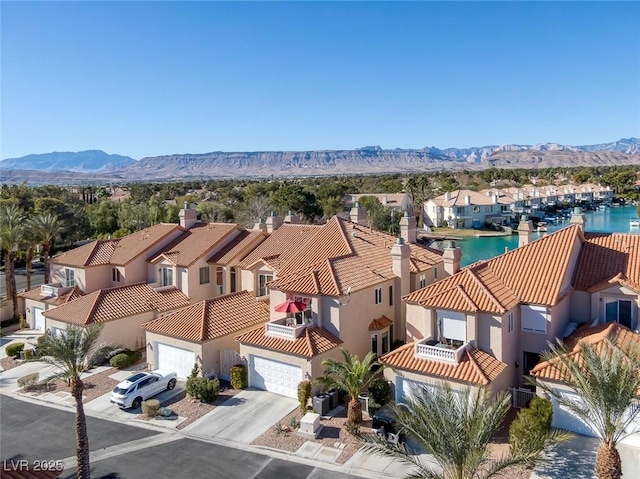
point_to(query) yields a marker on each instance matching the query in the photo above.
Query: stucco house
(468, 209)
(489, 323)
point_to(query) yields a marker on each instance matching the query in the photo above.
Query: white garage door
(405, 387)
(38, 319)
(274, 376)
(176, 359)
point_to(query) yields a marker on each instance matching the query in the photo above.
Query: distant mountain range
(97, 166)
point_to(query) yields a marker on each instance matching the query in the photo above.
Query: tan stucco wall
(418, 323)
(560, 316)
(488, 333)
(581, 307)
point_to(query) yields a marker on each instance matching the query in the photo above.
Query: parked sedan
(141, 386)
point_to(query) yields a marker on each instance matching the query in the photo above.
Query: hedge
(304, 393)
(530, 428)
(239, 376)
(14, 349)
(120, 361)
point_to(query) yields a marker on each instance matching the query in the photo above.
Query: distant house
(400, 201)
(468, 209)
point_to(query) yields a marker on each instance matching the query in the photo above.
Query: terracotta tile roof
(239, 246)
(280, 245)
(116, 303)
(530, 274)
(475, 366)
(212, 318)
(610, 257)
(343, 254)
(135, 244)
(459, 198)
(197, 242)
(91, 254)
(380, 323)
(314, 341)
(71, 295)
(596, 336)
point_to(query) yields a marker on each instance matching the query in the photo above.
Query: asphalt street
(118, 451)
(37, 278)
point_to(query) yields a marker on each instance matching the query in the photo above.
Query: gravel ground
(94, 386)
(192, 409)
(9, 363)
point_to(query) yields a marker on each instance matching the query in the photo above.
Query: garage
(274, 376)
(404, 387)
(175, 359)
(38, 319)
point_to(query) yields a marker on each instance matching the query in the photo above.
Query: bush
(379, 392)
(41, 340)
(120, 361)
(28, 381)
(238, 376)
(374, 407)
(14, 349)
(134, 356)
(304, 393)
(203, 389)
(150, 407)
(294, 423)
(28, 354)
(114, 353)
(530, 428)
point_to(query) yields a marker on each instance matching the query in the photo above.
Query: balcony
(53, 290)
(285, 328)
(432, 349)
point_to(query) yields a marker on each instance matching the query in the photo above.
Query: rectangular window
(510, 318)
(619, 311)
(391, 295)
(423, 281)
(378, 295)
(453, 326)
(303, 317)
(263, 279)
(219, 280)
(374, 343)
(70, 277)
(115, 275)
(435, 273)
(534, 319)
(167, 277)
(385, 342)
(204, 275)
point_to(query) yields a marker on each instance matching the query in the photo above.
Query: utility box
(334, 395)
(310, 426)
(321, 404)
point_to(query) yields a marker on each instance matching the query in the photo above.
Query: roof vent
(354, 234)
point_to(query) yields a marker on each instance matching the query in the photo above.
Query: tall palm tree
(455, 430)
(29, 238)
(73, 352)
(606, 379)
(11, 232)
(352, 376)
(47, 230)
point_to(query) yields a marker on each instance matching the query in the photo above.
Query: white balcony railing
(282, 328)
(433, 350)
(53, 290)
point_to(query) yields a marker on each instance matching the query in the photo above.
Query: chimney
(408, 228)
(467, 200)
(188, 216)
(260, 225)
(451, 258)
(495, 199)
(447, 196)
(400, 253)
(385, 200)
(525, 228)
(577, 217)
(358, 215)
(291, 218)
(273, 222)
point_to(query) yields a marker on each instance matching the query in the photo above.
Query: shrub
(28, 381)
(14, 349)
(529, 429)
(282, 429)
(304, 393)
(134, 356)
(114, 353)
(352, 428)
(374, 407)
(379, 392)
(28, 354)
(203, 389)
(41, 339)
(22, 322)
(238, 376)
(150, 407)
(120, 361)
(294, 423)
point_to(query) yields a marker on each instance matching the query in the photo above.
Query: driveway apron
(244, 417)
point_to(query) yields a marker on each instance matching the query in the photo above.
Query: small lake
(610, 220)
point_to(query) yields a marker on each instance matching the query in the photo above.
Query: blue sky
(151, 78)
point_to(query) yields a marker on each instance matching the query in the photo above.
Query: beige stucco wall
(560, 316)
(511, 351)
(419, 325)
(580, 303)
(489, 333)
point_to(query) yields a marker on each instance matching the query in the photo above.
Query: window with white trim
(378, 295)
(303, 317)
(374, 343)
(510, 321)
(204, 275)
(166, 278)
(391, 295)
(452, 327)
(115, 275)
(385, 342)
(263, 279)
(618, 311)
(534, 318)
(219, 280)
(69, 277)
(422, 281)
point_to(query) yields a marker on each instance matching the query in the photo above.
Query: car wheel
(137, 402)
(172, 384)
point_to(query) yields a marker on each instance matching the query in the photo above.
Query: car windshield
(118, 390)
(135, 377)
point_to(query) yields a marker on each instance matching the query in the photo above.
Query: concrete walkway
(244, 417)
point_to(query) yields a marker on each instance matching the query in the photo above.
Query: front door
(529, 361)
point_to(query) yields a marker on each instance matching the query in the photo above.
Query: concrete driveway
(101, 406)
(9, 378)
(244, 417)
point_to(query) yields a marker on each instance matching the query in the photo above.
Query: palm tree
(11, 232)
(47, 230)
(74, 351)
(352, 376)
(606, 380)
(29, 238)
(455, 430)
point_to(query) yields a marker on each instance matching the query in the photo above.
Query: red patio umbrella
(290, 306)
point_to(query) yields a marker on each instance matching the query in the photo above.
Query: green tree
(73, 352)
(11, 235)
(352, 376)
(46, 228)
(606, 380)
(292, 196)
(455, 430)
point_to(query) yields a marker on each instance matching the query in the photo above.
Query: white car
(141, 386)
